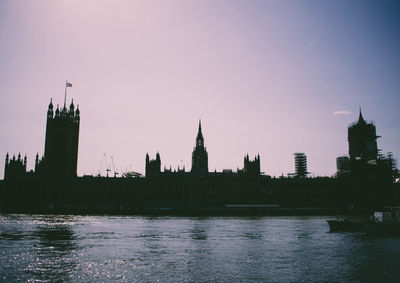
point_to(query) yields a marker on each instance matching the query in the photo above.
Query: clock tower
(199, 155)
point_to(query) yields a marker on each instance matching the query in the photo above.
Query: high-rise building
(199, 155)
(342, 164)
(300, 162)
(61, 145)
(362, 140)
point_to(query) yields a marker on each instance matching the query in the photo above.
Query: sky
(265, 77)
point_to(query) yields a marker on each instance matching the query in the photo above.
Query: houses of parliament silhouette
(364, 180)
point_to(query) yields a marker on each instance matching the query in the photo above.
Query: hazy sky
(267, 77)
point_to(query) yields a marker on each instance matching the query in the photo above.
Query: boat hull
(345, 226)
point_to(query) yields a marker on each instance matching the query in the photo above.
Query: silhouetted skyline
(272, 78)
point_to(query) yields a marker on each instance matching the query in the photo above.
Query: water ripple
(43, 248)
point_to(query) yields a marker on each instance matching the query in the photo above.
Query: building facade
(362, 140)
(342, 165)
(153, 167)
(14, 168)
(60, 157)
(251, 167)
(300, 163)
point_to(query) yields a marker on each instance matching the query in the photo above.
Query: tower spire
(199, 155)
(361, 118)
(199, 134)
(199, 125)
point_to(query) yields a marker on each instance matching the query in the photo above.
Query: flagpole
(65, 95)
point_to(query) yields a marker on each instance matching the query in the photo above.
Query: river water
(46, 248)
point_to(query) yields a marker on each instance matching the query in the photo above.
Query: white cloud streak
(341, 112)
(315, 38)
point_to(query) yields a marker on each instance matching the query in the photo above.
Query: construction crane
(115, 173)
(101, 165)
(107, 167)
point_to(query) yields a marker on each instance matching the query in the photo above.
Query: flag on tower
(67, 85)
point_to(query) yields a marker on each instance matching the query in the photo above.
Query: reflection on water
(58, 237)
(53, 253)
(42, 248)
(171, 249)
(199, 229)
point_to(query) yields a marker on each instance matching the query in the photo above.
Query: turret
(71, 109)
(64, 111)
(71, 106)
(50, 110)
(6, 166)
(57, 111)
(77, 114)
(37, 162)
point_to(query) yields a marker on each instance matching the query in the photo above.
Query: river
(48, 248)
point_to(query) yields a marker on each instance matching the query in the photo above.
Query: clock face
(370, 146)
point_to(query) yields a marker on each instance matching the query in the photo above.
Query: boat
(345, 225)
(384, 223)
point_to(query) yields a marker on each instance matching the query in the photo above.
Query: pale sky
(267, 77)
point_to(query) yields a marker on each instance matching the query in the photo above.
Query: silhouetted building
(368, 184)
(14, 168)
(199, 155)
(300, 162)
(61, 146)
(362, 140)
(153, 167)
(342, 165)
(251, 167)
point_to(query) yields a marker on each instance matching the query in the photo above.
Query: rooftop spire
(199, 134)
(361, 118)
(199, 138)
(57, 111)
